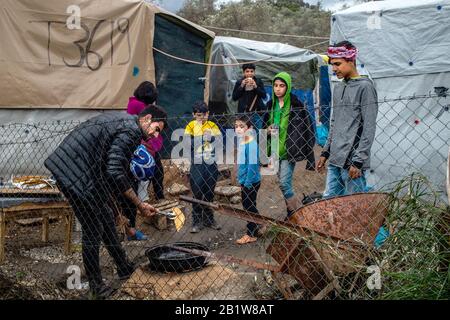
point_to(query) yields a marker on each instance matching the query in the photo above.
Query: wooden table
(34, 204)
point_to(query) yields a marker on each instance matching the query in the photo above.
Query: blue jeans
(285, 174)
(339, 183)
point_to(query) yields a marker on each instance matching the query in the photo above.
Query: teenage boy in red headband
(353, 125)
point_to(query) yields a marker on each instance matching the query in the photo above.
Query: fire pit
(167, 259)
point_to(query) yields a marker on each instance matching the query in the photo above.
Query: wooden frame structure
(54, 207)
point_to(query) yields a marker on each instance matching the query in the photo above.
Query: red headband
(342, 52)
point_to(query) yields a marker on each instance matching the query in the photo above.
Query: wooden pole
(45, 228)
(68, 217)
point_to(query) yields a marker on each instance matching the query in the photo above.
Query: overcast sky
(333, 5)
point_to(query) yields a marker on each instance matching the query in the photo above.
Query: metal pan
(164, 258)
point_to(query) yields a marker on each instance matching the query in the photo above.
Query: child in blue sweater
(249, 176)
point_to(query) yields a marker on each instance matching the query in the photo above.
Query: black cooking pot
(163, 258)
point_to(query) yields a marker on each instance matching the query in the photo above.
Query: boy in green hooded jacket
(289, 122)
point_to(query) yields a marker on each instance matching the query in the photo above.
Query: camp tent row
(50, 72)
(68, 60)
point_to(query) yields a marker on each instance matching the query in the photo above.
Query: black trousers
(98, 225)
(203, 180)
(158, 179)
(249, 196)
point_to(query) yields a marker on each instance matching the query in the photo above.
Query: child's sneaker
(138, 236)
(246, 239)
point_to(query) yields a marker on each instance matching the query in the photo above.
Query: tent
(49, 63)
(68, 60)
(404, 48)
(271, 58)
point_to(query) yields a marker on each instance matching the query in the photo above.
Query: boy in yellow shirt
(204, 171)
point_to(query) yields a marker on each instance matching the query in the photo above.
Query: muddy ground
(34, 270)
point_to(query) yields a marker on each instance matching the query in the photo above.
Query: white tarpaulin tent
(273, 57)
(404, 47)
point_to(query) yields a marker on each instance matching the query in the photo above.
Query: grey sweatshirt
(353, 124)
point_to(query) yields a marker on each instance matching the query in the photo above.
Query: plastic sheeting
(397, 37)
(273, 58)
(413, 134)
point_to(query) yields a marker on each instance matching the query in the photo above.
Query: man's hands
(144, 208)
(147, 210)
(320, 167)
(354, 173)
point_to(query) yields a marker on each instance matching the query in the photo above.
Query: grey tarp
(273, 57)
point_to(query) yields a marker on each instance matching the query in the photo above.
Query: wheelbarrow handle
(196, 201)
(242, 214)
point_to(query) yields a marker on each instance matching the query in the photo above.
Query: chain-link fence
(242, 214)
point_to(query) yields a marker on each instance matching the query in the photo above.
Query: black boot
(100, 291)
(126, 272)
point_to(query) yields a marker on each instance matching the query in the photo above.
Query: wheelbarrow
(320, 242)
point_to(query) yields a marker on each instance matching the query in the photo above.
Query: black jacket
(93, 161)
(301, 138)
(246, 97)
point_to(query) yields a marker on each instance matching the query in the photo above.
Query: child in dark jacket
(204, 171)
(291, 130)
(249, 92)
(249, 176)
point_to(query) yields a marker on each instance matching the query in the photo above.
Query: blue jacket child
(249, 176)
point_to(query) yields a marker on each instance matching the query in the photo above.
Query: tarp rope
(268, 33)
(209, 64)
(317, 44)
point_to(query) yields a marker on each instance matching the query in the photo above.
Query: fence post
(2, 235)
(448, 176)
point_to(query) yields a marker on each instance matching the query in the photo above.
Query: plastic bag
(322, 135)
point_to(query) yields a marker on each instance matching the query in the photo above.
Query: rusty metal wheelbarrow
(320, 242)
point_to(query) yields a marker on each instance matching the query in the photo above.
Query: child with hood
(289, 123)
